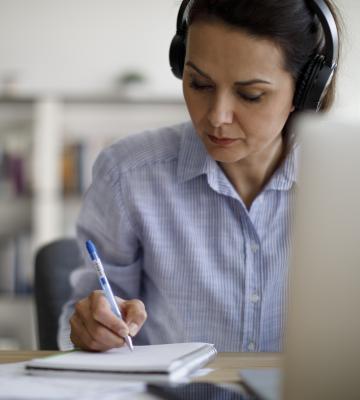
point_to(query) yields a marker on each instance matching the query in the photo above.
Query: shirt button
(254, 298)
(254, 247)
(251, 346)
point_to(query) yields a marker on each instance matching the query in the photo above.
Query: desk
(226, 365)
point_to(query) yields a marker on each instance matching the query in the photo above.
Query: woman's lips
(223, 141)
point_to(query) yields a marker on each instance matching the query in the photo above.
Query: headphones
(317, 74)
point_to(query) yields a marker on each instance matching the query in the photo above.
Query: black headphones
(317, 73)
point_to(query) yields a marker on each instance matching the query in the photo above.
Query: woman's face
(237, 92)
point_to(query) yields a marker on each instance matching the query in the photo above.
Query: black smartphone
(198, 391)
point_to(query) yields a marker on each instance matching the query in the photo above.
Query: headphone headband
(181, 24)
(322, 11)
(317, 74)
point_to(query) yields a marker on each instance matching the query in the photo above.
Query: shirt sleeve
(104, 220)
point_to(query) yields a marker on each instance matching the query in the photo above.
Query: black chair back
(53, 264)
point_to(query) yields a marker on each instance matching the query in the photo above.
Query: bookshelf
(93, 122)
(16, 121)
(57, 140)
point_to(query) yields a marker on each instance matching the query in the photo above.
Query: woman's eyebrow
(198, 70)
(240, 83)
(252, 82)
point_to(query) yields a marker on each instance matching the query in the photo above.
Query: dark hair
(288, 23)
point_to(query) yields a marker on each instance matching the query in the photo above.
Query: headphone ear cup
(177, 56)
(304, 98)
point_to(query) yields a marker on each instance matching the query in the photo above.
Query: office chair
(53, 265)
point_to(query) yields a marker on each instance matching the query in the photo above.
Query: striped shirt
(172, 231)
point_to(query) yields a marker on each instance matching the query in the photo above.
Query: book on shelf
(76, 164)
(15, 167)
(16, 272)
(72, 163)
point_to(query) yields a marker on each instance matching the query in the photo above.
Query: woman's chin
(226, 155)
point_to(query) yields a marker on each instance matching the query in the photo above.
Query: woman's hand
(95, 327)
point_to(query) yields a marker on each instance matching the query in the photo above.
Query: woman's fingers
(88, 331)
(95, 327)
(81, 337)
(134, 314)
(101, 312)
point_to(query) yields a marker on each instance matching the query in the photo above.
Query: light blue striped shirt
(172, 231)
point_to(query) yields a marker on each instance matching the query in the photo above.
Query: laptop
(322, 346)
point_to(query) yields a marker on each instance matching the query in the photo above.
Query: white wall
(349, 73)
(82, 45)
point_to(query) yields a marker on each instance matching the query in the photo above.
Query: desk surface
(226, 365)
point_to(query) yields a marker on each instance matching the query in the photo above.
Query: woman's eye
(199, 86)
(251, 99)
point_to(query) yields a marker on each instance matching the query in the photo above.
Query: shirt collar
(286, 174)
(193, 156)
(194, 161)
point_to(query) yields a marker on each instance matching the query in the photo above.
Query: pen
(105, 285)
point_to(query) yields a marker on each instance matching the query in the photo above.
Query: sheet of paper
(16, 385)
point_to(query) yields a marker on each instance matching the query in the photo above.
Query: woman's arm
(87, 319)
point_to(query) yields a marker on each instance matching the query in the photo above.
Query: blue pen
(105, 285)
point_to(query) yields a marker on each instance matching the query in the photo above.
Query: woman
(193, 221)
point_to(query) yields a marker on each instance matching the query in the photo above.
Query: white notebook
(165, 362)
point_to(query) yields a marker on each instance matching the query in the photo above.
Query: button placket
(254, 298)
(251, 346)
(254, 247)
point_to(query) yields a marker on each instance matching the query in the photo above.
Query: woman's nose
(221, 111)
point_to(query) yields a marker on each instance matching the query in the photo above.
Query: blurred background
(76, 75)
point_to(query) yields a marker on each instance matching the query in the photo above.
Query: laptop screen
(323, 332)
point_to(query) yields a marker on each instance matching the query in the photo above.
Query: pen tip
(129, 343)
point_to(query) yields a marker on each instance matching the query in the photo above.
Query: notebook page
(15, 385)
(143, 358)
